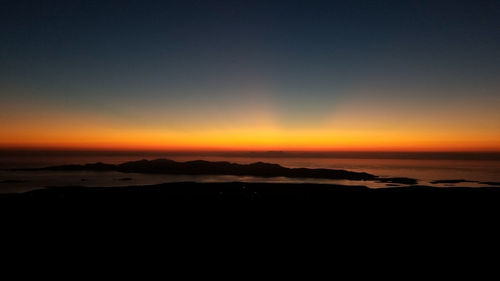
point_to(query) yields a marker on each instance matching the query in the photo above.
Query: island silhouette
(201, 167)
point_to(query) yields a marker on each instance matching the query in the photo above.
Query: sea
(476, 168)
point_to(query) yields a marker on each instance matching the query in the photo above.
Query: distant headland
(201, 167)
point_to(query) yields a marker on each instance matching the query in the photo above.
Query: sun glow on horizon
(352, 126)
(269, 139)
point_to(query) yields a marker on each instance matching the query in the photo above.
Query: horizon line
(135, 150)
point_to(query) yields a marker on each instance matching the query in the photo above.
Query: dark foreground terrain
(255, 214)
(417, 196)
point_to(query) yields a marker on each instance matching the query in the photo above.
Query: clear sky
(251, 75)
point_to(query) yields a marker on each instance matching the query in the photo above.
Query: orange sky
(85, 133)
(356, 124)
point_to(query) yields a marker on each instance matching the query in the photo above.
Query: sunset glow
(324, 76)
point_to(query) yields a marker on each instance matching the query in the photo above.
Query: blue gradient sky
(182, 68)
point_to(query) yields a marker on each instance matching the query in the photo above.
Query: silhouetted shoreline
(466, 181)
(200, 167)
(397, 187)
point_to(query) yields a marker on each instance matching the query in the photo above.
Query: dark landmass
(451, 181)
(125, 179)
(490, 183)
(462, 181)
(200, 167)
(12, 181)
(174, 206)
(250, 214)
(240, 191)
(249, 211)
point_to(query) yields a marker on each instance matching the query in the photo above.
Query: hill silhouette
(201, 167)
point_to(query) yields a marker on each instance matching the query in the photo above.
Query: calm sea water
(425, 170)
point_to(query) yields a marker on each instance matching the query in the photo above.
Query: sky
(250, 75)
